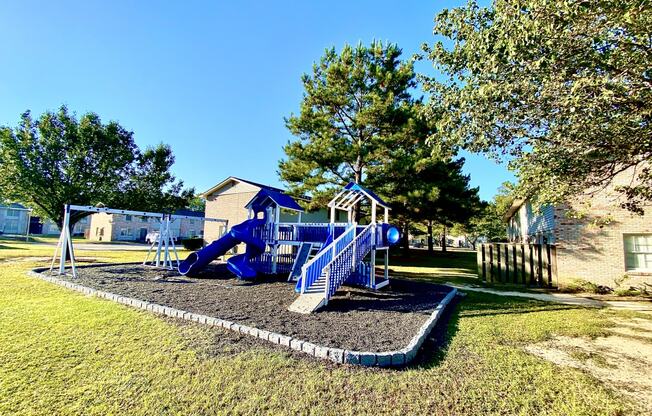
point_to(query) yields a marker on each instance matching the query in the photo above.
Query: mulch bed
(355, 318)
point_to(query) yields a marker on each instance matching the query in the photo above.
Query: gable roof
(189, 213)
(236, 179)
(14, 205)
(256, 184)
(352, 194)
(513, 209)
(266, 196)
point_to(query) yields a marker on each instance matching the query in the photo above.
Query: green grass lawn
(65, 353)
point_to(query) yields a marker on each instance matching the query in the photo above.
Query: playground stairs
(308, 303)
(312, 299)
(341, 266)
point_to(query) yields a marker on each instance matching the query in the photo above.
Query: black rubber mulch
(356, 319)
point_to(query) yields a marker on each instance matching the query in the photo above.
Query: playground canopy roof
(266, 197)
(352, 194)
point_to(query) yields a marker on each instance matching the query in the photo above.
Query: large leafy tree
(560, 89)
(356, 105)
(427, 189)
(60, 159)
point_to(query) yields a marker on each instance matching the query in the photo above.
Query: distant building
(14, 219)
(119, 227)
(82, 226)
(602, 245)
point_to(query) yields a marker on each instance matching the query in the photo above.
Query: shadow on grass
(405, 296)
(465, 260)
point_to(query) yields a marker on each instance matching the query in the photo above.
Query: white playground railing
(346, 261)
(312, 270)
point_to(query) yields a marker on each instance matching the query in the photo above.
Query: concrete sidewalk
(565, 298)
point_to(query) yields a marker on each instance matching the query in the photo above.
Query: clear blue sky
(212, 79)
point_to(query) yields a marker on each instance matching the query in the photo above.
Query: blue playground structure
(319, 257)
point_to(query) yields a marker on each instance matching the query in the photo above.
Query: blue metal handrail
(312, 270)
(345, 263)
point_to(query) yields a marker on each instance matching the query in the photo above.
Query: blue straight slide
(238, 265)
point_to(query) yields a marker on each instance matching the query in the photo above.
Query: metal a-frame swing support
(165, 241)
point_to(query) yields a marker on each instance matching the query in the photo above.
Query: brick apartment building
(118, 227)
(605, 244)
(227, 200)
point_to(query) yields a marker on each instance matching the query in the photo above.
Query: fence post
(515, 263)
(536, 261)
(499, 266)
(507, 260)
(553, 265)
(523, 261)
(491, 262)
(480, 261)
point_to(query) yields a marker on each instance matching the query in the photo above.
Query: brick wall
(228, 206)
(592, 247)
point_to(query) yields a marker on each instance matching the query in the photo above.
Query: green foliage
(59, 159)
(197, 203)
(562, 90)
(356, 106)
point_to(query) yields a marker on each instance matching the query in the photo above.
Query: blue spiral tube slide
(238, 265)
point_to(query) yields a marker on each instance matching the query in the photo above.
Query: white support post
(386, 221)
(303, 279)
(161, 234)
(277, 219)
(56, 251)
(354, 248)
(176, 255)
(386, 274)
(373, 268)
(166, 244)
(64, 242)
(29, 220)
(332, 214)
(327, 285)
(72, 255)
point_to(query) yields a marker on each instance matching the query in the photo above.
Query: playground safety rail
(346, 261)
(312, 270)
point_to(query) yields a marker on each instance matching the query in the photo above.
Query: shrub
(583, 286)
(194, 243)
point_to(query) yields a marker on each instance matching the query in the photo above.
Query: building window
(143, 219)
(13, 213)
(11, 226)
(125, 232)
(638, 252)
(127, 217)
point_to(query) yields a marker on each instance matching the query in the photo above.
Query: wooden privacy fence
(526, 264)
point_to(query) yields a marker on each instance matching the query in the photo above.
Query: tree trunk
(443, 240)
(431, 248)
(405, 237)
(357, 177)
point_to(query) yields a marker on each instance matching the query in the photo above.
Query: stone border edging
(397, 358)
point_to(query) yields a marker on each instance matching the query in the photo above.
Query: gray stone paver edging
(397, 358)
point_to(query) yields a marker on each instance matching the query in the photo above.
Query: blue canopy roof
(266, 197)
(352, 186)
